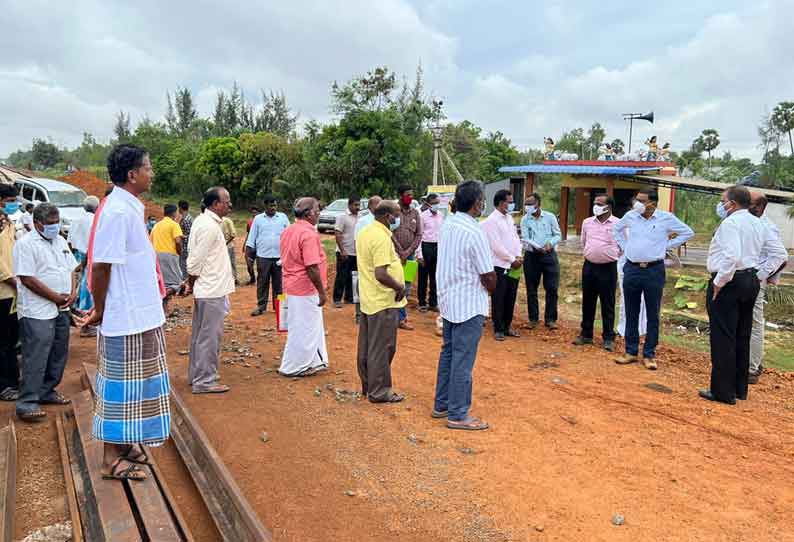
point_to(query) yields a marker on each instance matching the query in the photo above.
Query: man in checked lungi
(132, 407)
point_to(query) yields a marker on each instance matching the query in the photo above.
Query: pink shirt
(598, 242)
(301, 247)
(500, 230)
(431, 227)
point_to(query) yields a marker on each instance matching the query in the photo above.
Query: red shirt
(301, 247)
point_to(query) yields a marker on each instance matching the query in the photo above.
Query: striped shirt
(463, 255)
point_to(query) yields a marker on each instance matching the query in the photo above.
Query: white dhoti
(305, 350)
(622, 320)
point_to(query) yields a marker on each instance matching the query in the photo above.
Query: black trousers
(599, 281)
(9, 336)
(343, 283)
(503, 300)
(267, 273)
(546, 267)
(427, 274)
(730, 326)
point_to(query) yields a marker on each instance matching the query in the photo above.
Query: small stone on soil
(350, 493)
(559, 380)
(540, 528)
(318, 392)
(183, 352)
(618, 520)
(264, 437)
(658, 387)
(468, 451)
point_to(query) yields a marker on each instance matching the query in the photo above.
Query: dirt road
(575, 440)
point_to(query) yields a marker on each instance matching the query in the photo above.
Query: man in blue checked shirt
(651, 233)
(263, 245)
(540, 234)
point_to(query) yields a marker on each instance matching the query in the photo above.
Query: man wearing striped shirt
(465, 278)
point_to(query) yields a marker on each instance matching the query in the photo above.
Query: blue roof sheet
(578, 170)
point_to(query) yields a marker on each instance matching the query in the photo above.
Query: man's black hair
(536, 196)
(43, 211)
(8, 191)
(211, 196)
(652, 194)
(269, 198)
(610, 201)
(29, 207)
(169, 209)
(123, 159)
(467, 194)
(432, 196)
(740, 195)
(403, 188)
(353, 198)
(500, 196)
(184, 205)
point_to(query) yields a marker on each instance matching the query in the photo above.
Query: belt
(646, 264)
(743, 271)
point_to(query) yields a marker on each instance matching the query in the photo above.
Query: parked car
(67, 198)
(336, 208)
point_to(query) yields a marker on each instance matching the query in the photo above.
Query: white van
(67, 198)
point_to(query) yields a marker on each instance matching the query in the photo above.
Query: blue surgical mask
(11, 207)
(511, 207)
(51, 231)
(530, 209)
(435, 207)
(639, 207)
(721, 211)
(394, 225)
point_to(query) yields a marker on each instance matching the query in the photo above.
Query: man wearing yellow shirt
(167, 240)
(381, 285)
(9, 323)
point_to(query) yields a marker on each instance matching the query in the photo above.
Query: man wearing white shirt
(500, 230)
(775, 249)
(210, 280)
(45, 268)
(465, 277)
(650, 236)
(734, 262)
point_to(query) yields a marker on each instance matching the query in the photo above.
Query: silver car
(337, 207)
(67, 198)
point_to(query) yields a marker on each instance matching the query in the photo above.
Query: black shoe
(258, 311)
(579, 341)
(499, 336)
(609, 346)
(752, 378)
(422, 308)
(707, 395)
(552, 325)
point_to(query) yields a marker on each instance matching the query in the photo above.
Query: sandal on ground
(136, 455)
(32, 415)
(438, 414)
(469, 424)
(312, 371)
(132, 472)
(393, 398)
(9, 394)
(55, 399)
(512, 333)
(217, 388)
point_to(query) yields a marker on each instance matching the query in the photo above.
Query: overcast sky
(529, 69)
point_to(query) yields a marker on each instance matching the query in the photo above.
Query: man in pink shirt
(304, 272)
(500, 230)
(427, 253)
(599, 273)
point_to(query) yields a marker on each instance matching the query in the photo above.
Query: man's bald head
(758, 203)
(307, 209)
(387, 207)
(373, 202)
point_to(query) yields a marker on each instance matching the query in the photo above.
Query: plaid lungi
(132, 389)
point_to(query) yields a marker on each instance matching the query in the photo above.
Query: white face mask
(530, 209)
(639, 207)
(599, 210)
(435, 207)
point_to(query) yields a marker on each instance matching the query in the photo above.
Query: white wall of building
(778, 213)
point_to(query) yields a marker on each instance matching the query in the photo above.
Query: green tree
(370, 92)
(708, 140)
(595, 137)
(782, 120)
(45, 154)
(573, 142)
(265, 158)
(618, 146)
(275, 116)
(221, 159)
(122, 127)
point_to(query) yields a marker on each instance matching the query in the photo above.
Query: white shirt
(773, 253)
(208, 258)
(648, 239)
(500, 230)
(463, 255)
(133, 303)
(736, 245)
(26, 219)
(49, 261)
(79, 232)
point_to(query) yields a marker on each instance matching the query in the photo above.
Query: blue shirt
(265, 234)
(649, 238)
(537, 232)
(363, 222)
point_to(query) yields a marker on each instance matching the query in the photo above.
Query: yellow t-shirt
(6, 261)
(165, 234)
(374, 248)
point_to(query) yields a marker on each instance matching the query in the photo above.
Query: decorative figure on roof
(664, 156)
(653, 149)
(607, 152)
(549, 152)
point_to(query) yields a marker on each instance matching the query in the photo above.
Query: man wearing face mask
(500, 230)
(540, 233)
(382, 293)
(774, 249)
(9, 323)
(12, 208)
(599, 272)
(649, 230)
(46, 270)
(427, 253)
(305, 276)
(406, 238)
(734, 262)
